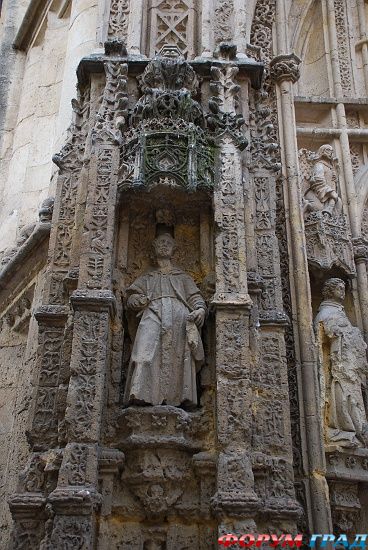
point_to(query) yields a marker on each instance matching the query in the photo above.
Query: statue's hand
(137, 302)
(197, 316)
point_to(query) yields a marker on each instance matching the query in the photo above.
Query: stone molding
(38, 235)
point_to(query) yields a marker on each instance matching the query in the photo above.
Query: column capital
(285, 67)
(360, 247)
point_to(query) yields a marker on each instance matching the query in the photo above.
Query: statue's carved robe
(167, 348)
(343, 371)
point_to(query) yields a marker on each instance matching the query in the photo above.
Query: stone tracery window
(172, 22)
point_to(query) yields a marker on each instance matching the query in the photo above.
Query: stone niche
(162, 498)
(188, 218)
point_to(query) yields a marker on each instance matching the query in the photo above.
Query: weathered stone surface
(156, 407)
(167, 350)
(343, 370)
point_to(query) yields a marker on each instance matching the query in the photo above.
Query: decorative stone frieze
(346, 507)
(347, 465)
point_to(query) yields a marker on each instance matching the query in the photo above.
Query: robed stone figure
(343, 370)
(167, 349)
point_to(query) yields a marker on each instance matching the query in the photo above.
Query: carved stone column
(76, 497)
(360, 246)
(284, 71)
(47, 429)
(235, 500)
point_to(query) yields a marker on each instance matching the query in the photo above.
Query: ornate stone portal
(146, 420)
(178, 391)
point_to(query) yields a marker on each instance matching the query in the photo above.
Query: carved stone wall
(218, 157)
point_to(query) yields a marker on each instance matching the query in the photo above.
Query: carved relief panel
(327, 234)
(119, 20)
(172, 22)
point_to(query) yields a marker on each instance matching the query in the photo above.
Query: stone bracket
(94, 300)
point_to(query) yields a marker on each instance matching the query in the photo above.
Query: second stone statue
(167, 347)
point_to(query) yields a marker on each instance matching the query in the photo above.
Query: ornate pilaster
(76, 498)
(274, 381)
(54, 337)
(235, 499)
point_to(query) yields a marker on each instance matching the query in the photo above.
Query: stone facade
(215, 382)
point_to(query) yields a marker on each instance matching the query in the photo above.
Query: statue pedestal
(328, 242)
(346, 464)
(161, 426)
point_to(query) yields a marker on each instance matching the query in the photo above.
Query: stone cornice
(39, 234)
(202, 66)
(94, 300)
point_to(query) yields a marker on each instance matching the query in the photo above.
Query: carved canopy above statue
(167, 142)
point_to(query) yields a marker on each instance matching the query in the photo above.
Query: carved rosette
(285, 67)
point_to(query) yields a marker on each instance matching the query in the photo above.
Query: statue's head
(164, 246)
(326, 151)
(334, 289)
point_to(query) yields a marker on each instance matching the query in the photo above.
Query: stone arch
(361, 185)
(308, 42)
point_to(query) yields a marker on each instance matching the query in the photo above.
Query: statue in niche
(322, 192)
(343, 369)
(167, 349)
